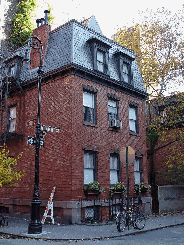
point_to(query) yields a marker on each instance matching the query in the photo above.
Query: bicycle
(132, 217)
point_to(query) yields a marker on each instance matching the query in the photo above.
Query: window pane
(125, 78)
(111, 103)
(88, 176)
(132, 113)
(13, 112)
(137, 176)
(88, 99)
(100, 56)
(112, 110)
(113, 177)
(125, 68)
(88, 160)
(136, 165)
(12, 70)
(132, 125)
(113, 162)
(88, 114)
(89, 213)
(100, 66)
(12, 126)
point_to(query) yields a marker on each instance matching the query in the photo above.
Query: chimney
(38, 21)
(42, 32)
(47, 12)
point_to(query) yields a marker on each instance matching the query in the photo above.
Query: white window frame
(137, 171)
(89, 107)
(114, 169)
(112, 106)
(126, 73)
(89, 167)
(133, 122)
(100, 62)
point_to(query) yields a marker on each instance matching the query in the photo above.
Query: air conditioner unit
(114, 123)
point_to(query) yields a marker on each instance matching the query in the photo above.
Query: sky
(110, 15)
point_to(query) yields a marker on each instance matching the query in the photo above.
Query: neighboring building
(165, 153)
(168, 114)
(93, 91)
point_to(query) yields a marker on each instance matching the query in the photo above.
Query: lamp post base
(35, 226)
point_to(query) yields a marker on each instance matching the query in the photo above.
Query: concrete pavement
(19, 227)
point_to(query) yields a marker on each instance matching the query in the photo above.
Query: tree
(158, 44)
(166, 129)
(8, 173)
(22, 25)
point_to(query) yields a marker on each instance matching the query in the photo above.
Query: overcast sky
(110, 15)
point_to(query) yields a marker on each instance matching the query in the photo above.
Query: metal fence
(98, 210)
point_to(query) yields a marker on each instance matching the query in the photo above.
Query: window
(12, 71)
(89, 107)
(124, 62)
(89, 167)
(112, 109)
(12, 119)
(125, 73)
(100, 61)
(114, 169)
(137, 171)
(133, 119)
(100, 54)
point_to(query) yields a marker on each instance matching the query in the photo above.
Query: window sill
(114, 129)
(90, 124)
(133, 133)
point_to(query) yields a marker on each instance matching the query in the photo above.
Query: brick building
(93, 91)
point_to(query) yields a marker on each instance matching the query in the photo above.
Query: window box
(93, 188)
(141, 188)
(117, 189)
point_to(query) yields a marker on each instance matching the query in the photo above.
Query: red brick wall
(61, 159)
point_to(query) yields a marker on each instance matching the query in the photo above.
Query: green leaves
(8, 171)
(22, 25)
(158, 45)
(95, 186)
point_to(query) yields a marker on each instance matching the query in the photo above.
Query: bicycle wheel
(140, 221)
(121, 223)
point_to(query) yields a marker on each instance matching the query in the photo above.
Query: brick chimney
(42, 32)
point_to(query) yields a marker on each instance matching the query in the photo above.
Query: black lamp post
(35, 226)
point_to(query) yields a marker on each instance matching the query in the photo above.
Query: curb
(12, 236)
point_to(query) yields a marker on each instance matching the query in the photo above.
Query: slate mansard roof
(68, 45)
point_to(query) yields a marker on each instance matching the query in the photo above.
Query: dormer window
(100, 55)
(124, 62)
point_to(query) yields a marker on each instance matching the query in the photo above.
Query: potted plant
(141, 187)
(93, 188)
(118, 188)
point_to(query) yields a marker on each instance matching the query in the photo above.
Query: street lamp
(35, 226)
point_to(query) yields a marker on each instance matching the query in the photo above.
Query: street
(173, 235)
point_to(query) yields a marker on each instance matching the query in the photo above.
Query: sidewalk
(19, 227)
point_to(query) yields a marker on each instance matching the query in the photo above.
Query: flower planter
(119, 192)
(91, 192)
